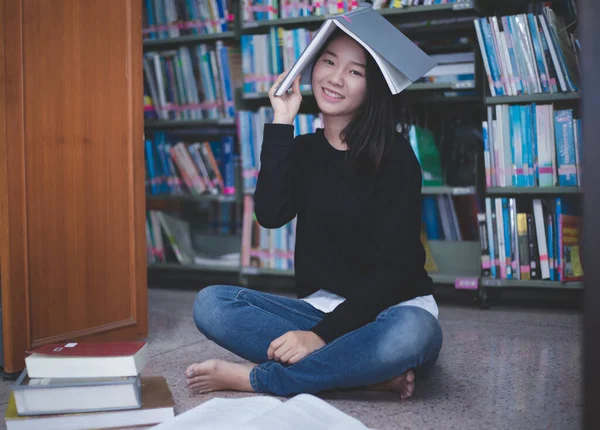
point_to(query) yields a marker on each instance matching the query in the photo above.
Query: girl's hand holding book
(285, 108)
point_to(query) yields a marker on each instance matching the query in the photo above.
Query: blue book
(534, 146)
(223, 54)
(150, 18)
(150, 163)
(565, 147)
(551, 253)
(228, 165)
(539, 53)
(507, 238)
(491, 53)
(558, 230)
(430, 218)
(516, 146)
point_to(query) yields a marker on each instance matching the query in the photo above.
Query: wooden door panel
(83, 169)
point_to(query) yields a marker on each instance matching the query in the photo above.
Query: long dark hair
(372, 131)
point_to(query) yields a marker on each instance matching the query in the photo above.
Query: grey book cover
(54, 386)
(399, 59)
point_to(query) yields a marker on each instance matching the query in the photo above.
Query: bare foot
(216, 375)
(404, 384)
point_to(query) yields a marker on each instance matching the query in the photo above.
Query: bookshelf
(417, 19)
(416, 22)
(531, 125)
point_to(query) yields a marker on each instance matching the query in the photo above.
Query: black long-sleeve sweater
(357, 236)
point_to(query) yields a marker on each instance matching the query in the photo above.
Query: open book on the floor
(301, 412)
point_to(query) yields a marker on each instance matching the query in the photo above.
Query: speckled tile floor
(502, 368)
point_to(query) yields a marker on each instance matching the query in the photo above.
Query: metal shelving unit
(505, 191)
(533, 98)
(505, 283)
(194, 198)
(193, 267)
(152, 44)
(444, 189)
(419, 86)
(436, 10)
(198, 123)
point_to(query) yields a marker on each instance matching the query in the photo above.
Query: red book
(87, 360)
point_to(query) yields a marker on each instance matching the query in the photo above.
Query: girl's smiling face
(339, 78)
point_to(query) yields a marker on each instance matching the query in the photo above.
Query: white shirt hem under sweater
(326, 301)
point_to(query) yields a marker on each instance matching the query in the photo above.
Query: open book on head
(399, 59)
(301, 412)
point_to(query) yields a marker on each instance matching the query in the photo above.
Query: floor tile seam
(175, 349)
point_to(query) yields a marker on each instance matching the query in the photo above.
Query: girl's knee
(206, 304)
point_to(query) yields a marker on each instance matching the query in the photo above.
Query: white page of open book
(221, 414)
(302, 412)
(307, 56)
(396, 81)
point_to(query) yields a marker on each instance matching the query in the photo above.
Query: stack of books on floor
(88, 386)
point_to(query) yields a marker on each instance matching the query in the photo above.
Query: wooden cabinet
(72, 235)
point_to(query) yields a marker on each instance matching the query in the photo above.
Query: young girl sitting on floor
(366, 317)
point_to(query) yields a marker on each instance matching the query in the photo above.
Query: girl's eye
(329, 62)
(356, 72)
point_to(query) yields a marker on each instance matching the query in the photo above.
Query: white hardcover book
(544, 153)
(528, 57)
(511, 78)
(540, 229)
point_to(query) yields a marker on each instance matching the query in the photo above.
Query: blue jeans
(245, 322)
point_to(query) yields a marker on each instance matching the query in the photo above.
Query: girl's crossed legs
(379, 355)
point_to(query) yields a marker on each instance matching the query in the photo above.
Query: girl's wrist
(281, 120)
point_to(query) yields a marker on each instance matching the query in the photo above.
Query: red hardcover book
(87, 360)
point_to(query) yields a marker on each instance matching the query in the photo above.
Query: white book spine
(540, 229)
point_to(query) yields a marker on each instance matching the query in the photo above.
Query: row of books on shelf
(87, 385)
(163, 19)
(530, 239)
(260, 10)
(528, 53)
(447, 217)
(169, 237)
(532, 145)
(266, 248)
(250, 131)
(189, 83)
(266, 56)
(189, 168)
